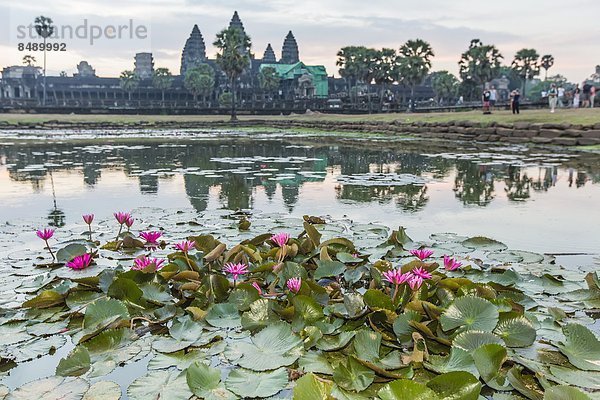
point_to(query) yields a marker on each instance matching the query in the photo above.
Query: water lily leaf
(366, 345)
(126, 290)
(112, 348)
(403, 389)
(306, 311)
(564, 393)
(310, 388)
(46, 299)
(156, 293)
(313, 234)
(516, 256)
(75, 364)
(205, 382)
(70, 251)
(327, 268)
(472, 340)
(585, 379)
(377, 300)
(179, 359)
(47, 328)
(488, 360)
(224, 315)
(250, 384)
(352, 375)
(581, 346)
(483, 243)
(472, 313)
(36, 347)
(259, 316)
(456, 385)
(273, 347)
(457, 360)
(103, 390)
(516, 332)
(524, 384)
(347, 258)
(159, 385)
(102, 313)
(336, 342)
(52, 388)
(315, 362)
(402, 326)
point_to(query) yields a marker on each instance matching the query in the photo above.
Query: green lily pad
(455, 385)
(102, 313)
(52, 388)
(310, 388)
(352, 375)
(205, 382)
(470, 313)
(489, 359)
(103, 390)
(403, 389)
(326, 268)
(224, 315)
(75, 364)
(472, 340)
(70, 251)
(565, 393)
(581, 346)
(158, 385)
(250, 384)
(516, 332)
(483, 243)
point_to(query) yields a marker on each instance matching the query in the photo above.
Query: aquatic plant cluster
(281, 315)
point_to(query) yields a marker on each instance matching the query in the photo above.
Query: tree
(269, 79)
(526, 64)
(233, 58)
(162, 79)
(129, 81)
(414, 63)
(547, 62)
(357, 65)
(445, 85)
(29, 60)
(384, 65)
(200, 80)
(44, 28)
(479, 64)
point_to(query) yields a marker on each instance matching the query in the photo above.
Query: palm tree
(129, 81)
(526, 64)
(44, 28)
(384, 66)
(29, 60)
(353, 63)
(200, 80)
(233, 58)
(162, 80)
(445, 85)
(269, 79)
(414, 63)
(547, 62)
(479, 64)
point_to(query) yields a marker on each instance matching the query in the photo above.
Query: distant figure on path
(561, 96)
(515, 101)
(592, 96)
(493, 98)
(553, 97)
(585, 98)
(576, 96)
(486, 101)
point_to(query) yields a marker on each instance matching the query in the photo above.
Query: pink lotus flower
(236, 269)
(145, 262)
(45, 234)
(280, 239)
(151, 237)
(129, 222)
(80, 262)
(185, 246)
(396, 277)
(450, 264)
(257, 287)
(122, 217)
(421, 273)
(88, 218)
(294, 284)
(421, 254)
(415, 282)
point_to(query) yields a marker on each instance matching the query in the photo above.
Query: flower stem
(395, 293)
(49, 249)
(119, 233)
(90, 231)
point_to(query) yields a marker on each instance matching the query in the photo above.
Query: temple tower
(236, 22)
(289, 52)
(194, 51)
(269, 55)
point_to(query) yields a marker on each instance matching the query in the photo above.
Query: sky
(567, 29)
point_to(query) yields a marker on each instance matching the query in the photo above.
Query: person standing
(592, 96)
(486, 101)
(585, 95)
(561, 96)
(515, 101)
(552, 97)
(493, 98)
(576, 95)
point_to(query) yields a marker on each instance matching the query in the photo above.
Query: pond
(539, 201)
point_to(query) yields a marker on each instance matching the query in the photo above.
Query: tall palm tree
(479, 64)
(445, 85)
(526, 64)
(200, 80)
(269, 79)
(384, 67)
(128, 81)
(233, 58)
(44, 28)
(162, 80)
(414, 63)
(547, 62)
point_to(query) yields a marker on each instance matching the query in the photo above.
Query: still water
(531, 200)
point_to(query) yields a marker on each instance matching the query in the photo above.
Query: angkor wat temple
(301, 86)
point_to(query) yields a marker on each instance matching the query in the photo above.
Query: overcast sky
(567, 29)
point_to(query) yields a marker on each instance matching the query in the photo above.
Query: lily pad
(159, 385)
(249, 384)
(470, 313)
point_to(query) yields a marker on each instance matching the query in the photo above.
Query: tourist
(561, 96)
(552, 97)
(592, 96)
(486, 101)
(515, 96)
(493, 97)
(576, 95)
(585, 95)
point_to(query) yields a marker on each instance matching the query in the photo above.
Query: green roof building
(306, 80)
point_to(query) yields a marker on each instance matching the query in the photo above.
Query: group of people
(490, 97)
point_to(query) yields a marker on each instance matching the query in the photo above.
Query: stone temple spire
(269, 56)
(289, 52)
(194, 51)
(236, 22)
